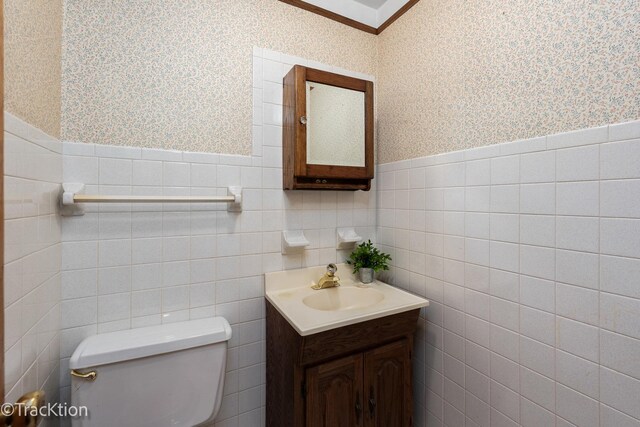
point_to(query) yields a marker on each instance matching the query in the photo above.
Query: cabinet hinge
(303, 390)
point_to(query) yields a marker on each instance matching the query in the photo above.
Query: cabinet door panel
(334, 393)
(387, 386)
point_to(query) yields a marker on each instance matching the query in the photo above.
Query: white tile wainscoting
(33, 172)
(530, 254)
(127, 266)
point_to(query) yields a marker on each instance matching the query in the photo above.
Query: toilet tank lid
(131, 344)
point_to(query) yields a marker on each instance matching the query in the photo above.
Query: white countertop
(286, 290)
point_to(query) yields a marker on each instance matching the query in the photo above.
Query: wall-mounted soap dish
(293, 241)
(347, 238)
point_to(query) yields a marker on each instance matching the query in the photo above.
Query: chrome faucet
(329, 280)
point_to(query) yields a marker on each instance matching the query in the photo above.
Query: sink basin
(343, 298)
(311, 311)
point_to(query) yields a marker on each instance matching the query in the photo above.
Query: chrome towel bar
(81, 198)
(72, 199)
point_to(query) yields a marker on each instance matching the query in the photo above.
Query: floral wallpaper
(177, 74)
(456, 74)
(32, 49)
(451, 74)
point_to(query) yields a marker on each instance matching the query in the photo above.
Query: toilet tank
(166, 375)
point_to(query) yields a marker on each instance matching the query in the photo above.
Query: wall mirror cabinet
(328, 131)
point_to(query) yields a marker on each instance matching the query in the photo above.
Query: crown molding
(352, 22)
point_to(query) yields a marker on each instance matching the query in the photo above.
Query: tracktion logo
(54, 410)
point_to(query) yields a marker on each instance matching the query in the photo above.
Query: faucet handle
(331, 269)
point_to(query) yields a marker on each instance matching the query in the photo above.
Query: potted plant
(366, 259)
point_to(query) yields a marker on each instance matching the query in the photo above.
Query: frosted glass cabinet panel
(335, 125)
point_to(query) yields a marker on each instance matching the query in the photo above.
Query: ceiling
(372, 3)
(371, 16)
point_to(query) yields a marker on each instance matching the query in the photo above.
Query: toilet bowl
(166, 375)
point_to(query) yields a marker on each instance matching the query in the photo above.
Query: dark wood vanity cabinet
(328, 131)
(388, 385)
(356, 375)
(366, 389)
(334, 395)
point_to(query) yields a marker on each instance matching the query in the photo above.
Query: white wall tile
(478, 172)
(537, 199)
(575, 407)
(537, 356)
(577, 268)
(532, 415)
(620, 392)
(610, 417)
(504, 400)
(620, 314)
(578, 164)
(620, 237)
(578, 137)
(477, 199)
(577, 233)
(538, 167)
(505, 170)
(505, 227)
(80, 169)
(505, 198)
(203, 175)
(504, 256)
(620, 159)
(79, 312)
(505, 314)
(577, 303)
(620, 275)
(578, 198)
(538, 325)
(616, 200)
(626, 130)
(504, 284)
(619, 352)
(537, 388)
(146, 172)
(115, 171)
(477, 225)
(539, 230)
(577, 338)
(537, 261)
(78, 255)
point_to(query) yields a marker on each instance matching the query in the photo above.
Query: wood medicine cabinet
(328, 131)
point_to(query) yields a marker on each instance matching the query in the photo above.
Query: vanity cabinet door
(334, 393)
(387, 386)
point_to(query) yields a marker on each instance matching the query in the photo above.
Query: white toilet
(167, 375)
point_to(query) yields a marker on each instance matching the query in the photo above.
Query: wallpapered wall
(32, 49)
(177, 74)
(452, 74)
(455, 74)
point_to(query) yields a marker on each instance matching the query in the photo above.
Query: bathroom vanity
(339, 356)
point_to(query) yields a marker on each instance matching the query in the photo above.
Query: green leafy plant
(365, 255)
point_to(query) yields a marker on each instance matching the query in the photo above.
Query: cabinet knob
(372, 403)
(303, 120)
(358, 408)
